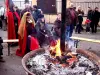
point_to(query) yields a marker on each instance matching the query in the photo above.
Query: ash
(41, 64)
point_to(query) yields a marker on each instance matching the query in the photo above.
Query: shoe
(2, 60)
(79, 33)
(1, 57)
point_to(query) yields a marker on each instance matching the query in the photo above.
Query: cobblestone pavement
(13, 66)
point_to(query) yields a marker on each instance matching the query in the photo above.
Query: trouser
(88, 28)
(94, 27)
(1, 24)
(4, 24)
(16, 30)
(1, 50)
(1, 47)
(79, 27)
(69, 31)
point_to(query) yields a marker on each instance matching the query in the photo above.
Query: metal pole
(62, 38)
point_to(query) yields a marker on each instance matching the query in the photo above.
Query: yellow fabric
(23, 24)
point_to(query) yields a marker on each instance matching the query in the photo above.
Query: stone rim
(88, 54)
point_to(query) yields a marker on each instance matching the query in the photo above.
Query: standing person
(18, 11)
(2, 12)
(36, 13)
(27, 35)
(89, 15)
(95, 20)
(57, 26)
(13, 23)
(89, 19)
(27, 9)
(80, 14)
(70, 21)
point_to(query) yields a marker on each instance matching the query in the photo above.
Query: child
(87, 22)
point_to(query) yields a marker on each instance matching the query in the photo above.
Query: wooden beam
(8, 41)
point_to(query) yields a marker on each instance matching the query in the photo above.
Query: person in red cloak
(27, 35)
(13, 23)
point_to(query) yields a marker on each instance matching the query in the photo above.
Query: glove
(53, 43)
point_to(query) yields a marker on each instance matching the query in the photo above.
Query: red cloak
(11, 26)
(22, 44)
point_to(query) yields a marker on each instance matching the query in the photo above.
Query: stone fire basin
(86, 53)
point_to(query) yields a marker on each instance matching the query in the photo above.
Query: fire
(65, 59)
(56, 48)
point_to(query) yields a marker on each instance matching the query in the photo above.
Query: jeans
(69, 31)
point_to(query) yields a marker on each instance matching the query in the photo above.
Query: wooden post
(62, 43)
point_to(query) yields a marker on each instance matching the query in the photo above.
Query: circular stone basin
(84, 54)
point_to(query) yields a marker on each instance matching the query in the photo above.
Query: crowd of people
(30, 28)
(93, 17)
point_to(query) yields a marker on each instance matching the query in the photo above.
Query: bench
(9, 45)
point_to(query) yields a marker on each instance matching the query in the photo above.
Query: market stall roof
(85, 0)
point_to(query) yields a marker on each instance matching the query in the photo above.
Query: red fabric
(11, 27)
(34, 44)
(87, 21)
(22, 45)
(7, 4)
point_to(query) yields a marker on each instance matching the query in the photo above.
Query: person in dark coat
(89, 15)
(80, 14)
(95, 20)
(27, 9)
(2, 11)
(70, 21)
(36, 13)
(89, 19)
(57, 26)
(18, 11)
(44, 35)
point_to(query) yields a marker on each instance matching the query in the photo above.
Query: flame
(56, 48)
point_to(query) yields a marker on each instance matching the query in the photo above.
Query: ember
(43, 63)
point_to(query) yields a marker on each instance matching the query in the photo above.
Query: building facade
(2, 3)
(86, 3)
